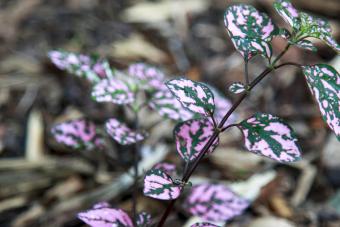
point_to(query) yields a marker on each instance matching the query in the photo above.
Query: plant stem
(281, 54)
(246, 73)
(135, 175)
(205, 149)
(288, 63)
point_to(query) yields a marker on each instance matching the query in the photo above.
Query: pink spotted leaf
(143, 220)
(271, 137)
(324, 82)
(203, 224)
(113, 90)
(167, 105)
(89, 67)
(149, 76)
(318, 28)
(192, 135)
(106, 217)
(80, 134)
(195, 96)
(249, 30)
(288, 13)
(237, 88)
(214, 202)
(305, 25)
(159, 185)
(121, 133)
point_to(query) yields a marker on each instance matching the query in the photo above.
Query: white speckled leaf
(121, 133)
(271, 137)
(237, 88)
(214, 202)
(324, 82)
(195, 96)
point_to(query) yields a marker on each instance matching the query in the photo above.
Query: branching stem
(193, 166)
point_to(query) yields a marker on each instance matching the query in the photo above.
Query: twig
(135, 170)
(246, 73)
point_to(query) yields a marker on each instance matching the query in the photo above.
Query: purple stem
(205, 149)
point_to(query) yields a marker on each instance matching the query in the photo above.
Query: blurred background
(44, 184)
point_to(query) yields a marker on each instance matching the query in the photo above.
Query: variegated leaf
(143, 219)
(249, 30)
(106, 217)
(305, 25)
(113, 90)
(168, 168)
(222, 105)
(204, 224)
(159, 185)
(214, 202)
(271, 137)
(307, 45)
(167, 105)
(288, 13)
(148, 75)
(237, 88)
(195, 96)
(78, 134)
(121, 133)
(318, 28)
(90, 68)
(324, 82)
(191, 136)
